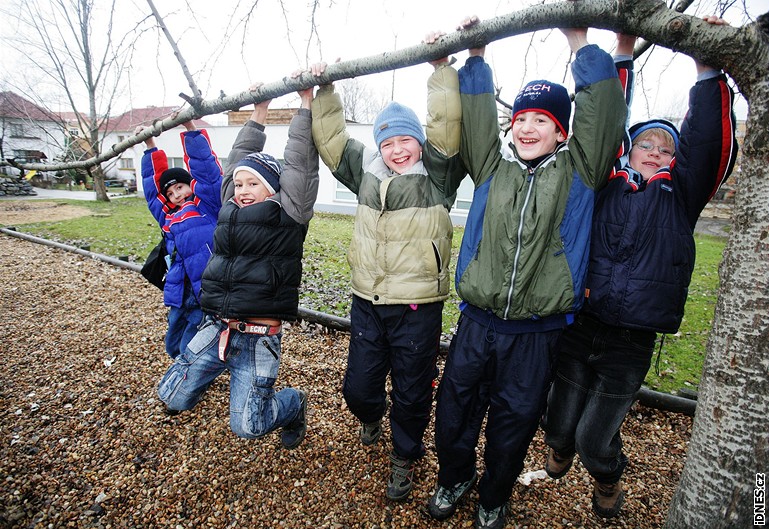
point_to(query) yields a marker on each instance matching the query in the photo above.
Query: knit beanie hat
(546, 97)
(174, 175)
(264, 167)
(663, 124)
(397, 120)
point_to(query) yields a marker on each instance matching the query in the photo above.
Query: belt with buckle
(244, 327)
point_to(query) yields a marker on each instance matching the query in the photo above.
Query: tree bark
(730, 438)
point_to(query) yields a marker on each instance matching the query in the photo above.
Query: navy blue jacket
(642, 246)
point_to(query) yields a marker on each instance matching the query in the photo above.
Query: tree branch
(197, 96)
(723, 46)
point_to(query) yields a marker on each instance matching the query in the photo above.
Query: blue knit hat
(546, 97)
(663, 124)
(397, 120)
(264, 167)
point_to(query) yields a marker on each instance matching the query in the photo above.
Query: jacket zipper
(532, 172)
(518, 243)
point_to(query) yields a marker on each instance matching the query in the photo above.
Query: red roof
(144, 116)
(14, 106)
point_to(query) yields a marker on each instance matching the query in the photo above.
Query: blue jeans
(253, 360)
(598, 371)
(183, 323)
(504, 378)
(403, 342)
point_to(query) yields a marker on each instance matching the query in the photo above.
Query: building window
(343, 194)
(16, 130)
(176, 162)
(465, 195)
(126, 163)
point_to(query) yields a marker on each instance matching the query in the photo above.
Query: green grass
(125, 227)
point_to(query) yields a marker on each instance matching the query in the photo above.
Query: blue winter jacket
(642, 248)
(188, 228)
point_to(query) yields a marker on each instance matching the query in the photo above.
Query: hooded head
(663, 124)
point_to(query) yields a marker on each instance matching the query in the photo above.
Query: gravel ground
(83, 442)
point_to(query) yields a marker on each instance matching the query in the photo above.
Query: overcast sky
(211, 39)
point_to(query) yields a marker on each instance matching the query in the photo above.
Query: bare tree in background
(58, 36)
(361, 103)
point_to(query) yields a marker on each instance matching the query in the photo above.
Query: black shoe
(444, 501)
(293, 434)
(401, 477)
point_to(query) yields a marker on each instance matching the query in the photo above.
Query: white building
(28, 133)
(333, 197)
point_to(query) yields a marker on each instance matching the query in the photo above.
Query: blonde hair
(660, 134)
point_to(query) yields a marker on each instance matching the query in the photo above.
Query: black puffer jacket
(256, 268)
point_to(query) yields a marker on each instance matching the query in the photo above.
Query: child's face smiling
(178, 193)
(400, 153)
(650, 154)
(535, 134)
(249, 189)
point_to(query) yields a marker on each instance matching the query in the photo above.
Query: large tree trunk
(729, 449)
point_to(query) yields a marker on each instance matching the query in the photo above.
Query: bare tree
(58, 37)
(361, 103)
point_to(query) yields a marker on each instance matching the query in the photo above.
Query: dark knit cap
(397, 120)
(264, 167)
(663, 124)
(174, 175)
(549, 98)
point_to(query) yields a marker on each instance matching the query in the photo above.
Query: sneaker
(556, 465)
(401, 477)
(607, 498)
(293, 433)
(444, 501)
(490, 518)
(370, 432)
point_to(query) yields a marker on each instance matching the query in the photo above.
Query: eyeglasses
(648, 146)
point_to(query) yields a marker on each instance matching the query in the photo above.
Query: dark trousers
(598, 372)
(403, 342)
(505, 378)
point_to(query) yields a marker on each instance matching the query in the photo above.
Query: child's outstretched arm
(600, 111)
(153, 163)
(299, 181)
(444, 120)
(707, 149)
(345, 157)
(480, 144)
(204, 167)
(251, 138)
